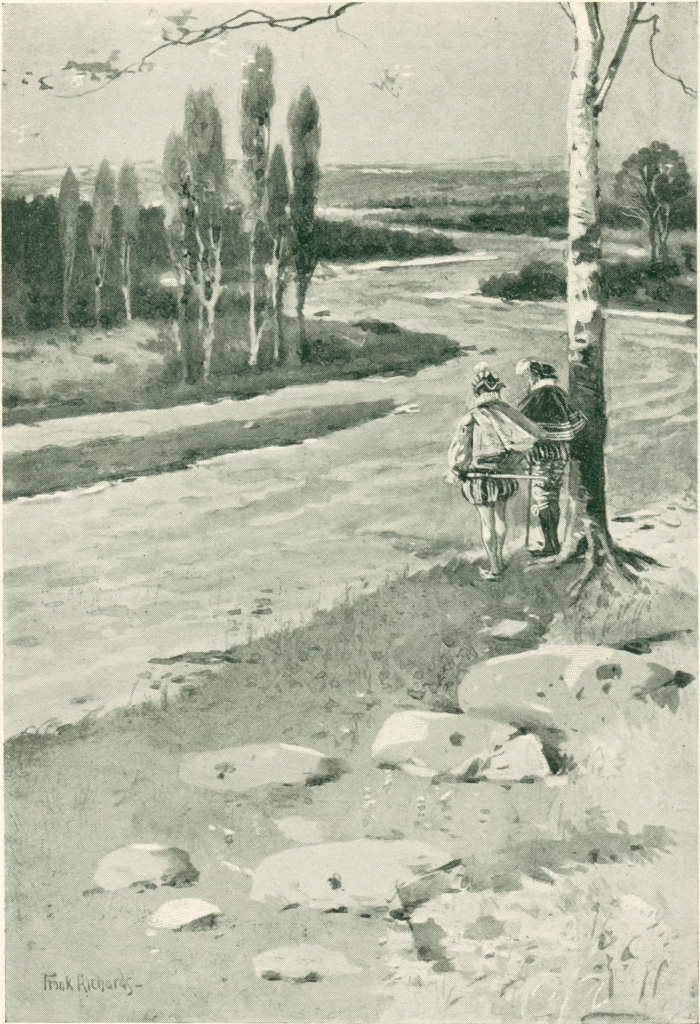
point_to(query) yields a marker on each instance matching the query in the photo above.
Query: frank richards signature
(87, 984)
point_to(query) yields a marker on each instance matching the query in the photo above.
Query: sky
(476, 81)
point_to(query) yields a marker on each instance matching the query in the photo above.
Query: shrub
(535, 281)
(343, 240)
(633, 282)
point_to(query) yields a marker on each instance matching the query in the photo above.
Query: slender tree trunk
(586, 323)
(281, 345)
(274, 297)
(98, 303)
(254, 340)
(67, 281)
(652, 240)
(663, 224)
(127, 280)
(208, 339)
(214, 254)
(302, 288)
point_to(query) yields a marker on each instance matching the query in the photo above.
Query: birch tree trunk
(126, 277)
(585, 320)
(254, 339)
(69, 262)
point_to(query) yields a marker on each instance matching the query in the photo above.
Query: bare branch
(250, 18)
(635, 9)
(655, 31)
(567, 12)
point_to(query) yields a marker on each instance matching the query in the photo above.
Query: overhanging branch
(633, 19)
(635, 10)
(250, 18)
(655, 31)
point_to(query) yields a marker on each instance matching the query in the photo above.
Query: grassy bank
(50, 375)
(72, 796)
(123, 458)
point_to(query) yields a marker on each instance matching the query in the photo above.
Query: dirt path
(97, 583)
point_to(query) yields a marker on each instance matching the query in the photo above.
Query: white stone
(513, 760)
(426, 743)
(361, 874)
(178, 914)
(509, 628)
(144, 862)
(301, 830)
(558, 688)
(263, 764)
(298, 963)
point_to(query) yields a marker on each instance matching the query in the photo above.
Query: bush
(535, 281)
(151, 301)
(634, 283)
(343, 240)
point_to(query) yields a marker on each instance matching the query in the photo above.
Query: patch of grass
(119, 458)
(59, 378)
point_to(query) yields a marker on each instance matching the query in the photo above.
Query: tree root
(604, 557)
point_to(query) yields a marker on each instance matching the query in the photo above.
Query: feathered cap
(484, 380)
(538, 370)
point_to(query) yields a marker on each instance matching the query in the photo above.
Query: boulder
(302, 963)
(363, 874)
(509, 629)
(262, 764)
(427, 743)
(146, 864)
(507, 759)
(177, 915)
(553, 690)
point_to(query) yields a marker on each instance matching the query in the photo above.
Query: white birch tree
(68, 205)
(129, 204)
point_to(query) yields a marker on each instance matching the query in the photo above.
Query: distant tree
(257, 100)
(129, 204)
(68, 204)
(278, 225)
(648, 186)
(304, 124)
(204, 146)
(101, 229)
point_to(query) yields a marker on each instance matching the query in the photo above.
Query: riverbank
(329, 686)
(51, 375)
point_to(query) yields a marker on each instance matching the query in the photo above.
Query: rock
(301, 830)
(555, 690)
(427, 743)
(508, 629)
(511, 759)
(179, 914)
(302, 963)
(145, 863)
(264, 764)
(362, 874)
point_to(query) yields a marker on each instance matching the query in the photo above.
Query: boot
(549, 523)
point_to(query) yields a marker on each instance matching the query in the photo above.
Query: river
(97, 583)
